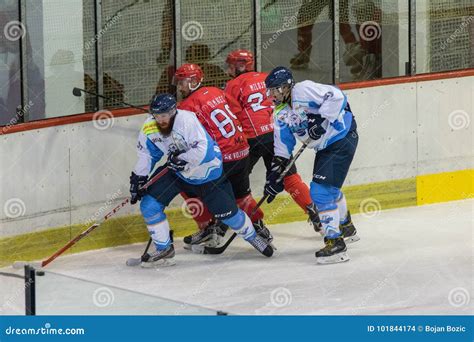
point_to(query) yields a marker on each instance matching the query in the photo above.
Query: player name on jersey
(216, 101)
(257, 86)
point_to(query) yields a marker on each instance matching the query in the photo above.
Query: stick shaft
(97, 224)
(283, 174)
(219, 250)
(84, 233)
(111, 98)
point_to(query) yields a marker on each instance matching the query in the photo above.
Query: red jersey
(215, 112)
(250, 91)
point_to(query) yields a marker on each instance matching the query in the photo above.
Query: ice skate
(211, 236)
(263, 231)
(333, 252)
(314, 218)
(261, 245)
(159, 258)
(348, 231)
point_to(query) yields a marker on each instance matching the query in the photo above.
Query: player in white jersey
(319, 115)
(194, 166)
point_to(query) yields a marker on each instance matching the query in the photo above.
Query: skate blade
(351, 239)
(158, 263)
(333, 259)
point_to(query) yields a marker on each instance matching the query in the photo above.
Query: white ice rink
(416, 260)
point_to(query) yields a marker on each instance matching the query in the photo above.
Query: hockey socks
(298, 190)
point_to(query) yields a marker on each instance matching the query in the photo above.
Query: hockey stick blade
(216, 250)
(134, 261)
(137, 261)
(76, 92)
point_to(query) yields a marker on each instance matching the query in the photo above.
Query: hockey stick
(145, 256)
(219, 250)
(21, 264)
(78, 92)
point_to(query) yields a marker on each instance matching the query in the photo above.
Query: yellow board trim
(446, 186)
(131, 229)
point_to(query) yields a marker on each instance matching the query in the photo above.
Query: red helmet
(189, 71)
(241, 57)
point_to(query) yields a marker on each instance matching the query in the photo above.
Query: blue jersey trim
(287, 137)
(212, 173)
(155, 153)
(343, 133)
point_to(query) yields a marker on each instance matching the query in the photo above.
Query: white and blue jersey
(203, 156)
(310, 97)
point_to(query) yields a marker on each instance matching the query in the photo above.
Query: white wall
(65, 174)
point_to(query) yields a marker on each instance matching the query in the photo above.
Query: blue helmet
(278, 77)
(162, 103)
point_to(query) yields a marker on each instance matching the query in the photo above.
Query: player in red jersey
(248, 88)
(215, 111)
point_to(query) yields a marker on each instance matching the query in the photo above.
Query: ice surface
(416, 260)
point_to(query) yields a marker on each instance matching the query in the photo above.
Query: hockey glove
(315, 128)
(176, 164)
(273, 186)
(136, 184)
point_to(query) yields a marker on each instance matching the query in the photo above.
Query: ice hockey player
(215, 112)
(318, 114)
(195, 167)
(256, 116)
